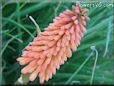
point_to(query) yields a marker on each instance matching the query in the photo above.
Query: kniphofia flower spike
(52, 47)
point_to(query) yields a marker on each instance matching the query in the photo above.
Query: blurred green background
(18, 30)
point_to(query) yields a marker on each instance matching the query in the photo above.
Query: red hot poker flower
(52, 47)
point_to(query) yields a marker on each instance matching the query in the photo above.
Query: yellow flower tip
(33, 76)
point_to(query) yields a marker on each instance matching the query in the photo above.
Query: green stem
(91, 81)
(19, 30)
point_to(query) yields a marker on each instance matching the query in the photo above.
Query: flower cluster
(52, 47)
